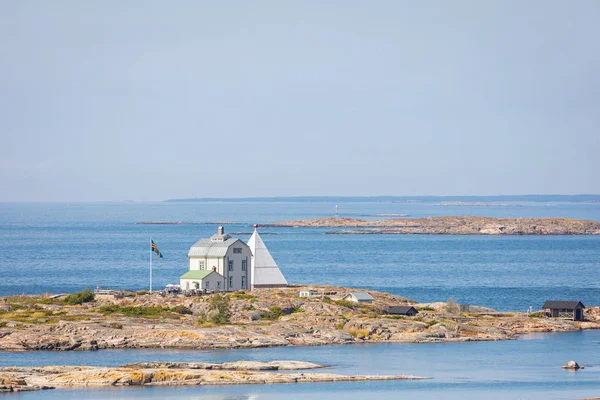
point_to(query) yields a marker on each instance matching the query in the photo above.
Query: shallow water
(528, 368)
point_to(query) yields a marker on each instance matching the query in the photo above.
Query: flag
(156, 250)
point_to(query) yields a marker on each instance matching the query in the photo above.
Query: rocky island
(16, 379)
(261, 318)
(465, 225)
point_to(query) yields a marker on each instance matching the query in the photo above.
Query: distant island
(451, 225)
(536, 198)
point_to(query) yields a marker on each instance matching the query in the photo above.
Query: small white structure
(358, 297)
(206, 280)
(229, 258)
(308, 293)
(265, 272)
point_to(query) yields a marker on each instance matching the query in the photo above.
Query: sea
(66, 247)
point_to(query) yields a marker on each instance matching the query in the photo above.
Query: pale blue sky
(148, 100)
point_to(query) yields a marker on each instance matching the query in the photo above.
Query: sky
(152, 100)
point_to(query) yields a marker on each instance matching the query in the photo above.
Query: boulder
(572, 365)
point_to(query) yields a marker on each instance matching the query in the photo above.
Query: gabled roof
(400, 309)
(564, 304)
(265, 271)
(195, 274)
(361, 296)
(211, 248)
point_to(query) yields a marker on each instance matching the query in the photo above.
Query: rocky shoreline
(16, 379)
(461, 225)
(261, 318)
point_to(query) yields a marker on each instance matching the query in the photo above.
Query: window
(244, 264)
(230, 282)
(201, 265)
(218, 285)
(243, 282)
(237, 250)
(230, 265)
(207, 285)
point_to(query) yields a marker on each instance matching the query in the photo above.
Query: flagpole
(150, 265)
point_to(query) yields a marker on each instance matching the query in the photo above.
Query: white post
(150, 265)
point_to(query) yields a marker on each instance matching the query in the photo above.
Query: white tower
(264, 270)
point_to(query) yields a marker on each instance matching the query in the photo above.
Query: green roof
(196, 274)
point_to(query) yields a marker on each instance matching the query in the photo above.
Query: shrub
(80, 297)
(452, 306)
(273, 314)
(115, 325)
(536, 315)
(326, 299)
(220, 305)
(181, 309)
(344, 303)
(427, 308)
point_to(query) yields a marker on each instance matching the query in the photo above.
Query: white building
(230, 259)
(265, 272)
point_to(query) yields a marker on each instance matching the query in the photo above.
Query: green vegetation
(136, 311)
(327, 299)
(80, 297)
(30, 300)
(536, 315)
(427, 308)
(344, 303)
(395, 317)
(181, 309)
(115, 325)
(242, 295)
(273, 314)
(220, 305)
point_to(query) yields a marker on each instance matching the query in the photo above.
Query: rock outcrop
(169, 374)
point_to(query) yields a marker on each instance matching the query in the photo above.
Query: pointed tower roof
(265, 272)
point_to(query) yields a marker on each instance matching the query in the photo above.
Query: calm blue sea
(67, 247)
(528, 368)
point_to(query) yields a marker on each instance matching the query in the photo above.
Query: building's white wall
(237, 274)
(215, 282)
(209, 263)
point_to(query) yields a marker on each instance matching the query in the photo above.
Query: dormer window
(237, 250)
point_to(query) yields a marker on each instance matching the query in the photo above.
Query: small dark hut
(402, 310)
(564, 309)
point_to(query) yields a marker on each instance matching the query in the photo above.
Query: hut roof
(564, 304)
(195, 274)
(400, 309)
(361, 296)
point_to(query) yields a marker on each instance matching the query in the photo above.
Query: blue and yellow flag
(156, 250)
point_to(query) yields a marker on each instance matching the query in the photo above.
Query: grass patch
(135, 311)
(242, 295)
(395, 317)
(536, 315)
(31, 300)
(115, 325)
(344, 303)
(425, 308)
(358, 333)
